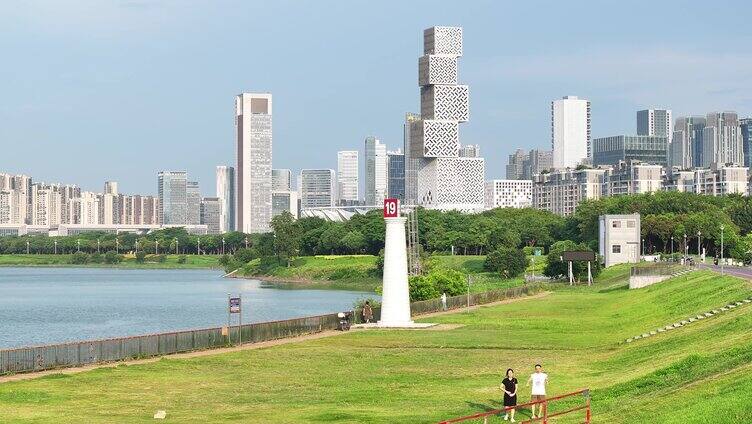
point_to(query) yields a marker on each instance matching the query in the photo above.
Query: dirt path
(259, 345)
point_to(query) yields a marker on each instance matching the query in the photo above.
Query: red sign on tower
(391, 208)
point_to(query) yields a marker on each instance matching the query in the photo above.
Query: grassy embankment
(358, 272)
(696, 374)
(129, 261)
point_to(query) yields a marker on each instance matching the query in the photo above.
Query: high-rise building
(193, 203)
(395, 164)
(281, 180)
(285, 201)
(644, 148)
(111, 187)
(685, 151)
(375, 178)
(412, 163)
(171, 190)
(469, 151)
(253, 122)
(537, 161)
(23, 184)
(226, 196)
(317, 188)
(47, 205)
(570, 131)
(655, 122)
(210, 214)
(347, 177)
(746, 126)
(722, 140)
(445, 180)
(509, 194)
(515, 165)
(10, 201)
(632, 177)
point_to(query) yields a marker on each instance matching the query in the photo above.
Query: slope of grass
(129, 261)
(425, 376)
(355, 272)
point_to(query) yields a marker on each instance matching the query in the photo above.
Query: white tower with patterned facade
(445, 180)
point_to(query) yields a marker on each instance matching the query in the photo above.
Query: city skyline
(510, 104)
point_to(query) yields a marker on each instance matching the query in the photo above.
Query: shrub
(159, 258)
(449, 281)
(79, 258)
(140, 257)
(421, 288)
(507, 261)
(244, 256)
(112, 257)
(182, 259)
(96, 258)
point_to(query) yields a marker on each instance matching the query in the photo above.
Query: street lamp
(27, 247)
(672, 248)
(117, 246)
(198, 245)
(97, 245)
(686, 247)
(246, 242)
(643, 247)
(78, 246)
(721, 249)
(698, 243)
(55, 246)
(136, 245)
(156, 247)
(176, 245)
(223, 245)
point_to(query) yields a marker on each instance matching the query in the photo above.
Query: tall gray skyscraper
(317, 188)
(171, 190)
(655, 122)
(536, 162)
(375, 177)
(412, 162)
(395, 165)
(515, 165)
(281, 180)
(210, 214)
(347, 177)
(722, 140)
(193, 203)
(685, 150)
(445, 180)
(253, 122)
(226, 197)
(746, 127)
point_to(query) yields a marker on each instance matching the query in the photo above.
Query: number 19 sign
(391, 208)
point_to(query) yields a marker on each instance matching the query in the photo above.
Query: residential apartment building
(570, 131)
(632, 177)
(516, 165)
(375, 172)
(685, 150)
(537, 161)
(508, 194)
(722, 141)
(655, 122)
(562, 190)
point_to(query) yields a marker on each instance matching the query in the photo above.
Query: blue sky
(118, 90)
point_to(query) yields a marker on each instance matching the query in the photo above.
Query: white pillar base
(395, 296)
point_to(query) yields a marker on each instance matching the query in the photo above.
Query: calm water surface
(52, 305)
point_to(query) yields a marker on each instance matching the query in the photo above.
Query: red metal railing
(544, 405)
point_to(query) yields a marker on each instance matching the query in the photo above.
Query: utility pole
(198, 246)
(223, 245)
(721, 249)
(117, 246)
(699, 234)
(156, 247)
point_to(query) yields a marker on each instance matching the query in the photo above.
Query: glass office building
(646, 149)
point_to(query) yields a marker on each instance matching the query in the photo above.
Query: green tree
(287, 236)
(509, 262)
(111, 257)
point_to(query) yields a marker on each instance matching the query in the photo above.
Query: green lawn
(699, 373)
(129, 261)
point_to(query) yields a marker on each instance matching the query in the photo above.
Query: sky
(100, 90)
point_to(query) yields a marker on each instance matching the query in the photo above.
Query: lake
(54, 305)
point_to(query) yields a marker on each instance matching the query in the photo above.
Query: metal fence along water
(40, 358)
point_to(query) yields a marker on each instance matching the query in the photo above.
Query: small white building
(508, 194)
(619, 238)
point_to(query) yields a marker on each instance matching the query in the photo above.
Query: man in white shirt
(539, 379)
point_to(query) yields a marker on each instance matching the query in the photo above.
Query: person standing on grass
(539, 379)
(443, 302)
(367, 312)
(509, 386)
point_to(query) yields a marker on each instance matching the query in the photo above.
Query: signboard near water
(234, 305)
(575, 255)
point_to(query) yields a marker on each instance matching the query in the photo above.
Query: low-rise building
(508, 194)
(619, 238)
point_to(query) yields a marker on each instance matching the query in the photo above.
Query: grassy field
(696, 374)
(358, 272)
(129, 261)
